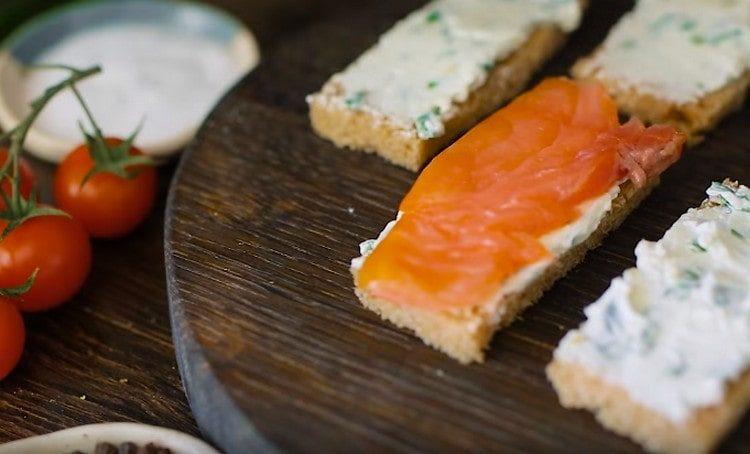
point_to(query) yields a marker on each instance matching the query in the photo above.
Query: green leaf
(114, 159)
(6, 201)
(22, 289)
(17, 214)
(87, 177)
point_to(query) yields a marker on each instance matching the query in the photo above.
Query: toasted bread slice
(493, 222)
(669, 62)
(577, 387)
(465, 334)
(693, 118)
(363, 130)
(631, 363)
(399, 142)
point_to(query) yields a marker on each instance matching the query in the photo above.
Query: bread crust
(694, 118)
(577, 387)
(465, 334)
(363, 130)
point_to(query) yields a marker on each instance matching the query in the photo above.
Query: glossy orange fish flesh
(477, 213)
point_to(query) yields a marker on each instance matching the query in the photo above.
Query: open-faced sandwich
(664, 356)
(683, 62)
(439, 71)
(509, 208)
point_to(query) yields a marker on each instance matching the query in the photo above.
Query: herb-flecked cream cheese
(677, 50)
(674, 331)
(437, 55)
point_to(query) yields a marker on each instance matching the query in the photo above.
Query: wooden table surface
(108, 355)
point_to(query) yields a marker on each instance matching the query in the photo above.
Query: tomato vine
(19, 209)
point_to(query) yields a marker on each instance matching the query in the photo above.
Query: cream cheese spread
(674, 331)
(677, 50)
(558, 242)
(437, 55)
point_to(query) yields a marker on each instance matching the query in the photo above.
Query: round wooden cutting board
(274, 349)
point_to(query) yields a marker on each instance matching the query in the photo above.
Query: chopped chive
(628, 44)
(678, 369)
(692, 275)
(688, 25)
(612, 318)
(432, 84)
(650, 335)
(738, 234)
(698, 40)
(355, 100)
(428, 124)
(698, 247)
(434, 16)
(487, 66)
(724, 36)
(662, 22)
(726, 296)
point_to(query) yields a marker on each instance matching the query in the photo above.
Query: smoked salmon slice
(477, 214)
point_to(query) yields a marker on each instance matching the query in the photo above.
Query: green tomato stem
(18, 210)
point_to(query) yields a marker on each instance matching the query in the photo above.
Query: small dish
(167, 21)
(85, 438)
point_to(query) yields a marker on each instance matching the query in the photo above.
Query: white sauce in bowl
(166, 77)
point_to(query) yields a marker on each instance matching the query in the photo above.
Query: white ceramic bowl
(34, 38)
(85, 438)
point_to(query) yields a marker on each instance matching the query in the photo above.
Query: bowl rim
(84, 437)
(40, 20)
(51, 147)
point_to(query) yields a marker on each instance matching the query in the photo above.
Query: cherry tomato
(108, 205)
(59, 247)
(12, 337)
(27, 178)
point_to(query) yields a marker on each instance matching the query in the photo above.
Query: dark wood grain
(275, 350)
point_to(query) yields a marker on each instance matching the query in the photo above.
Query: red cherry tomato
(56, 245)
(108, 205)
(27, 178)
(12, 337)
